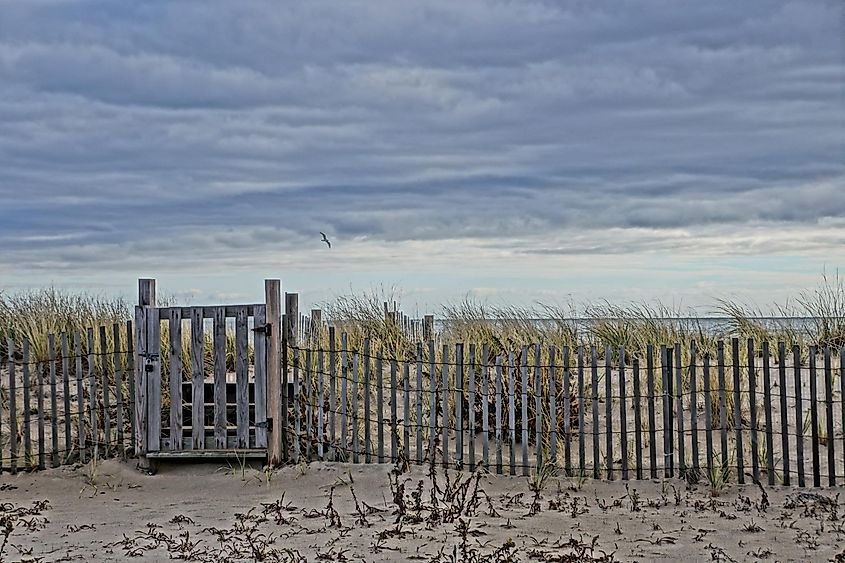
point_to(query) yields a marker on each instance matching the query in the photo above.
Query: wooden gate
(205, 393)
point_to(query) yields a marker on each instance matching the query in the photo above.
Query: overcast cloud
(430, 140)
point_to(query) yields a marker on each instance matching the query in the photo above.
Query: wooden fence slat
(828, 397)
(432, 403)
(309, 398)
(499, 415)
(9, 352)
(241, 378)
(594, 367)
(54, 411)
(512, 375)
(638, 419)
(553, 424)
(444, 376)
(118, 354)
(799, 416)
(154, 389)
(197, 380)
(321, 398)
(406, 410)
(623, 414)
(693, 406)
(220, 422)
(740, 450)
(344, 383)
(105, 359)
(27, 414)
(332, 394)
(567, 413)
(842, 398)
(485, 408)
(814, 417)
(459, 404)
(471, 407)
(130, 385)
(679, 406)
(297, 404)
(332, 373)
(665, 378)
(394, 412)
(582, 462)
(355, 416)
(538, 410)
(175, 331)
(608, 407)
(1, 432)
(40, 403)
(92, 399)
(723, 409)
(366, 392)
(652, 430)
(419, 404)
(784, 422)
(752, 399)
(380, 406)
(708, 414)
(80, 396)
(66, 396)
(524, 410)
(767, 408)
(259, 352)
(139, 403)
(13, 415)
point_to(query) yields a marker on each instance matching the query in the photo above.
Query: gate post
(146, 299)
(272, 300)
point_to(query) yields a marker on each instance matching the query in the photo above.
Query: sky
(509, 151)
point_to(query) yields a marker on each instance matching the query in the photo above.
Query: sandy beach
(340, 512)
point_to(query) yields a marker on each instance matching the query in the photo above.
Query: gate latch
(149, 359)
(264, 329)
(267, 424)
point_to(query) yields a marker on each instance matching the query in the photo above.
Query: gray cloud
(239, 130)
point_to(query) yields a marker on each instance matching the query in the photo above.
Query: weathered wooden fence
(73, 405)
(746, 411)
(741, 411)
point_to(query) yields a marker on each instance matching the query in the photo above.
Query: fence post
(428, 328)
(316, 325)
(146, 298)
(272, 301)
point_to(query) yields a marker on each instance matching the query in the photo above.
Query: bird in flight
(325, 239)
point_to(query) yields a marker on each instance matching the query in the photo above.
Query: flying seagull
(325, 239)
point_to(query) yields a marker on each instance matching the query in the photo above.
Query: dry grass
(37, 313)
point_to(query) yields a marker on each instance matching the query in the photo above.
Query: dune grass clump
(745, 320)
(637, 325)
(36, 313)
(363, 315)
(825, 306)
(505, 328)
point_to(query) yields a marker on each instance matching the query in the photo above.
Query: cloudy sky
(512, 150)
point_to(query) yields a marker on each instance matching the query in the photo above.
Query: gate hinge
(267, 424)
(265, 329)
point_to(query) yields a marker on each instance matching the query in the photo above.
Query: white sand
(118, 512)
